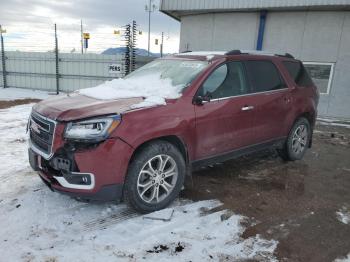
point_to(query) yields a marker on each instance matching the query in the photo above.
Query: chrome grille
(41, 132)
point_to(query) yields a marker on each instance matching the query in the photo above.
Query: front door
(225, 122)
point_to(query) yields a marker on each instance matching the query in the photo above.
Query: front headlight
(92, 130)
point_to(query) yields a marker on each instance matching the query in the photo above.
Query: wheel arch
(309, 116)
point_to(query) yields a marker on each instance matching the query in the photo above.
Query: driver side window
(226, 81)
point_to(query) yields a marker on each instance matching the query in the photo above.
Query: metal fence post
(3, 58)
(57, 66)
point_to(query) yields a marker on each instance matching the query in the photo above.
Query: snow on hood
(153, 88)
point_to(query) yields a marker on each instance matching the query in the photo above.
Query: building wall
(219, 31)
(311, 36)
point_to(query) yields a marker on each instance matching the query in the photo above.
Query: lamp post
(150, 7)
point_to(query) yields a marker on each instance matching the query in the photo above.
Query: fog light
(78, 179)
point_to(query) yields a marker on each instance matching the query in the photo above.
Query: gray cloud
(41, 14)
(94, 13)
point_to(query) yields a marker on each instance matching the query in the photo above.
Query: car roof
(213, 55)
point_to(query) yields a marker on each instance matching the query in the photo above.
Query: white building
(314, 31)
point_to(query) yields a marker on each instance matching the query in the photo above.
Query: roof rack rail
(288, 55)
(234, 52)
(255, 52)
(188, 51)
(285, 55)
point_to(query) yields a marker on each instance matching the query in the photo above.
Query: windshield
(179, 72)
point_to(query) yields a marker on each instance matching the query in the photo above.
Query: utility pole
(3, 58)
(149, 8)
(81, 36)
(161, 45)
(56, 56)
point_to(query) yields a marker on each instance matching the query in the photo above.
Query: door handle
(287, 99)
(247, 108)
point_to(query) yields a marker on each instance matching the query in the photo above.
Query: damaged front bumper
(75, 184)
(94, 172)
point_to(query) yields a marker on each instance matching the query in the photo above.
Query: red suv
(230, 104)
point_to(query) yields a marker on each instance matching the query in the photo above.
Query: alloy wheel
(299, 140)
(157, 179)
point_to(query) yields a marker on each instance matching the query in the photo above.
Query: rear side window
(263, 76)
(298, 72)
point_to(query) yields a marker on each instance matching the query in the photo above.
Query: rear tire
(297, 142)
(155, 177)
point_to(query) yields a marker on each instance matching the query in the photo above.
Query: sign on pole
(115, 68)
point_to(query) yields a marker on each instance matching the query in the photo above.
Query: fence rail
(35, 70)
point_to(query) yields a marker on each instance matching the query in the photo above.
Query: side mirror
(198, 100)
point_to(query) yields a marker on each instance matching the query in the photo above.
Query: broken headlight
(92, 130)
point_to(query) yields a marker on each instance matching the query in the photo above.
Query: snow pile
(343, 215)
(20, 93)
(152, 87)
(346, 259)
(14, 156)
(39, 225)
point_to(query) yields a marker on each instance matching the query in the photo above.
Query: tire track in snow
(102, 223)
(128, 213)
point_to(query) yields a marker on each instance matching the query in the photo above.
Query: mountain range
(121, 50)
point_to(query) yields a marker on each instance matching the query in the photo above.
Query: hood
(76, 106)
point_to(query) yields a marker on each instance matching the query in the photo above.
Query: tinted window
(263, 76)
(227, 80)
(298, 73)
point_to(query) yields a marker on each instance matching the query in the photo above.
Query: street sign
(86, 35)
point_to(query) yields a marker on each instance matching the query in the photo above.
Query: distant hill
(121, 50)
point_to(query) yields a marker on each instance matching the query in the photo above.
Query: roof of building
(178, 8)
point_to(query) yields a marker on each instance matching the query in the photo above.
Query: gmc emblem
(34, 126)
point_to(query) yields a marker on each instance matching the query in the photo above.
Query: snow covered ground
(343, 215)
(20, 93)
(39, 225)
(346, 259)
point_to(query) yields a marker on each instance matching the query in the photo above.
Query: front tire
(297, 142)
(155, 177)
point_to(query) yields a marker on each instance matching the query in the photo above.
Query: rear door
(272, 100)
(226, 122)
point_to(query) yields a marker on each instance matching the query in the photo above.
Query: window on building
(263, 76)
(298, 72)
(226, 81)
(321, 74)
